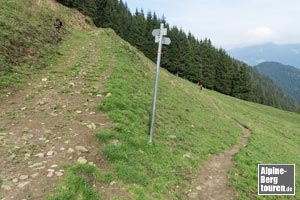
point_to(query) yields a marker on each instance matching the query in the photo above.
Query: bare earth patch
(50, 123)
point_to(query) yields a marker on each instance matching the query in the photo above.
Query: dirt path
(51, 122)
(212, 182)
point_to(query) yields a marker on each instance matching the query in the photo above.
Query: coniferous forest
(188, 57)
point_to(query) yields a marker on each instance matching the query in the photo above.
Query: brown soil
(212, 182)
(52, 115)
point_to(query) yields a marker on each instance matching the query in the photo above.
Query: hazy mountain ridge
(288, 54)
(285, 76)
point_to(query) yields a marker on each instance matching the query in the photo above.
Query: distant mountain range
(288, 54)
(285, 76)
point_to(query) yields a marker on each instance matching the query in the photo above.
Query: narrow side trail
(51, 122)
(212, 182)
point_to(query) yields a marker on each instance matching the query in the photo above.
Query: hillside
(287, 54)
(96, 85)
(30, 37)
(285, 76)
(191, 58)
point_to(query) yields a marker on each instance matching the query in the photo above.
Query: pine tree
(223, 73)
(209, 64)
(187, 57)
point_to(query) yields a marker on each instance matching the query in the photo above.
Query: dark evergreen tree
(187, 57)
(209, 64)
(223, 73)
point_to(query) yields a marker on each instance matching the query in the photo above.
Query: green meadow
(190, 124)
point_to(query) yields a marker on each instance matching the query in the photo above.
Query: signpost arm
(156, 81)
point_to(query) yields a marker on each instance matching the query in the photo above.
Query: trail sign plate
(156, 32)
(165, 31)
(166, 40)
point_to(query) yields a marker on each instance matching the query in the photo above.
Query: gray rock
(172, 136)
(115, 142)
(6, 187)
(23, 184)
(187, 156)
(82, 160)
(59, 173)
(42, 139)
(41, 103)
(23, 177)
(36, 165)
(112, 183)
(42, 167)
(50, 153)
(70, 150)
(193, 195)
(40, 155)
(92, 126)
(81, 149)
(34, 175)
(50, 174)
(27, 155)
(15, 180)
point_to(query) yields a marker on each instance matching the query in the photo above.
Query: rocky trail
(212, 182)
(50, 123)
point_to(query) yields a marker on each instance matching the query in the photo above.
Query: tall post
(156, 81)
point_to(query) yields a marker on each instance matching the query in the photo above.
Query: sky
(231, 23)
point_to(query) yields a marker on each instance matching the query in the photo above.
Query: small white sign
(166, 40)
(156, 32)
(165, 31)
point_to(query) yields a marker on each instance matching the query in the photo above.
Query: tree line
(194, 59)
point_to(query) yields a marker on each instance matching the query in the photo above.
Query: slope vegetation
(30, 32)
(191, 58)
(190, 127)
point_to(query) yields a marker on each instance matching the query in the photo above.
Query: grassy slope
(29, 36)
(183, 111)
(275, 139)
(199, 127)
(155, 171)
